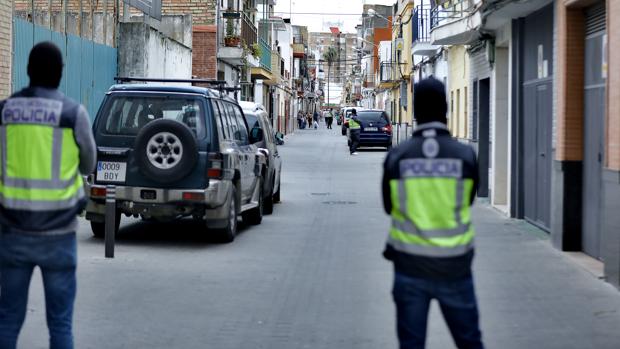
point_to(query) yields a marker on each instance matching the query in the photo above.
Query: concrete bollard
(110, 220)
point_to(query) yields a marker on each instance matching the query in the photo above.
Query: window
(218, 119)
(225, 121)
(127, 115)
(232, 121)
(458, 112)
(243, 129)
(465, 100)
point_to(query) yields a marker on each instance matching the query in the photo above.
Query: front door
(594, 124)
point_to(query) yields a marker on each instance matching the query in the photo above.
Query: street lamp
(374, 13)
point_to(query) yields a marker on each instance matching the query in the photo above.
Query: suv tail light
(216, 162)
(191, 196)
(387, 128)
(98, 192)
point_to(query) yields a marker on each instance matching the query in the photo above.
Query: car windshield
(126, 115)
(374, 116)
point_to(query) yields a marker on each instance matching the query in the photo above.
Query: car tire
(255, 215)
(276, 195)
(388, 147)
(166, 150)
(98, 228)
(268, 206)
(229, 232)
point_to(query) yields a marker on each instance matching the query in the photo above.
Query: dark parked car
(376, 129)
(173, 152)
(258, 121)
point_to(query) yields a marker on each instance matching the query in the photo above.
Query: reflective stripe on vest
(353, 125)
(430, 214)
(39, 160)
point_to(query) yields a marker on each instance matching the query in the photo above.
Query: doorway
(594, 125)
(482, 127)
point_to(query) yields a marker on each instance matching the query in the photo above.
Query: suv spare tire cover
(166, 150)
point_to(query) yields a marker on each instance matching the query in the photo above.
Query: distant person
(355, 128)
(429, 184)
(300, 117)
(39, 204)
(316, 120)
(329, 118)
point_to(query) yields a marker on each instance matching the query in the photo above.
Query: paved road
(311, 276)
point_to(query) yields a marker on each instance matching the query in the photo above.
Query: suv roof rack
(219, 84)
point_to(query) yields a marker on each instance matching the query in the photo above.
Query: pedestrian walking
(355, 128)
(299, 119)
(47, 144)
(316, 120)
(329, 119)
(429, 184)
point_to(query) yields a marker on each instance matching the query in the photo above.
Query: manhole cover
(319, 194)
(339, 202)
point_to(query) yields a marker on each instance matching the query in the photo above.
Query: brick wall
(569, 82)
(204, 58)
(5, 47)
(613, 80)
(202, 11)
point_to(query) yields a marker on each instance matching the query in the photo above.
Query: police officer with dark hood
(429, 184)
(46, 146)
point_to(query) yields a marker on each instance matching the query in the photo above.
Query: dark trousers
(329, 122)
(355, 140)
(457, 301)
(56, 257)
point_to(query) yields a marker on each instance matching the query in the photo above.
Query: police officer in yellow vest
(429, 184)
(45, 144)
(355, 128)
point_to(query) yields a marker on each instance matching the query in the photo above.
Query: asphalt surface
(312, 276)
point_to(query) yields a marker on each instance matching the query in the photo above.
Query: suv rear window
(372, 116)
(126, 115)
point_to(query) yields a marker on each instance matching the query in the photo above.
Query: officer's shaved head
(45, 65)
(429, 101)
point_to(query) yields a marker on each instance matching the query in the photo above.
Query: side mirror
(256, 135)
(279, 138)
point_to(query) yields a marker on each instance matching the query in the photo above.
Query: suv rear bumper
(167, 203)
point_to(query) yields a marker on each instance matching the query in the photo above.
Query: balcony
(421, 32)
(454, 22)
(263, 71)
(299, 47)
(240, 26)
(388, 76)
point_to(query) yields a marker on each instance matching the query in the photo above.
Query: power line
(319, 13)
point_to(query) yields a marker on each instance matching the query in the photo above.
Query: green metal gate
(89, 70)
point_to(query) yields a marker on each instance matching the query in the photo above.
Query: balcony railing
(242, 27)
(421, 24)
(449, 10)
(249, 34)
(265, 54)
(386, 71)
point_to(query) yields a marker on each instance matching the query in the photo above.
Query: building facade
(6, 46)
(586, 163)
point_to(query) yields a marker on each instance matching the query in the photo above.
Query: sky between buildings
(349, 13)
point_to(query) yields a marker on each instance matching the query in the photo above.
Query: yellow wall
(405, 59)
(458, 91)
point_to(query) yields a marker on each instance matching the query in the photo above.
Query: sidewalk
(534, 296)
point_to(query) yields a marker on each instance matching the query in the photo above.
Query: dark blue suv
(376, 129)
(173, 152)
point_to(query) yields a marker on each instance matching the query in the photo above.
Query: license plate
(373, 129)
(113, 172)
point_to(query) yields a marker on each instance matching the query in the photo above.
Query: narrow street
(312, 275)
